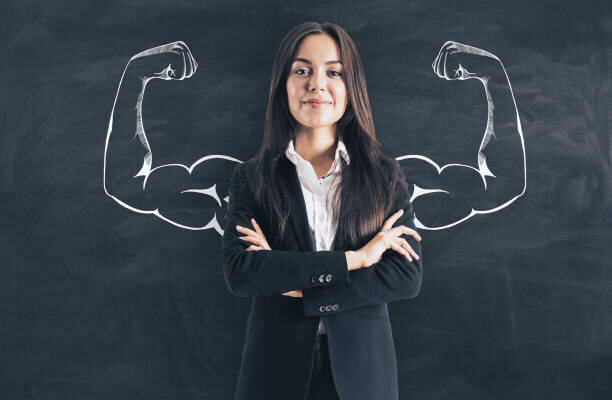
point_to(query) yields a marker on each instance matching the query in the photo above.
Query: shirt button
(322, 244)
(321, 217)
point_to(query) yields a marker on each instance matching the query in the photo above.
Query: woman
(319, 325)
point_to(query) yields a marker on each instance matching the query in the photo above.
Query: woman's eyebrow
(308, 61)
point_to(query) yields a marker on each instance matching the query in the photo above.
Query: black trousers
(322, 383)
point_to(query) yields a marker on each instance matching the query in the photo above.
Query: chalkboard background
(99, 302)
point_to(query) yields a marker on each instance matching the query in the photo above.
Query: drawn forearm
(128, 153)
(501, 153)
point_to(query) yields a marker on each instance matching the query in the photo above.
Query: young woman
(320, 232)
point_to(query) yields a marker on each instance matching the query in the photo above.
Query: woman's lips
(315, 104)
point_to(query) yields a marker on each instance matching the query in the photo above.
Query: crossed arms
(272, 272)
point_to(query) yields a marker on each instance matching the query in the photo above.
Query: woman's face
(317, 74)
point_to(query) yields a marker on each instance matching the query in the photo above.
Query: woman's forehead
(318, 48)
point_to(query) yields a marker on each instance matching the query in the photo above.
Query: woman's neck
(316, 145)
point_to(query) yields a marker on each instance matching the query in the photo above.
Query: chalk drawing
(182, 65)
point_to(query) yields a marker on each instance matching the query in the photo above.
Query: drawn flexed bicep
(190, 197)
(498, 176)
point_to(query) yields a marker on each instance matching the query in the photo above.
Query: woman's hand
(259, 241)
(388, 238)
(294, 293)
(256, 237)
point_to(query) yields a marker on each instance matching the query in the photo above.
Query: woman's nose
(316, 82)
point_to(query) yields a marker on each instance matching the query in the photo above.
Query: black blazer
(281, 330)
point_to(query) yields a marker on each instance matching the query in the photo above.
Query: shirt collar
(341, 151)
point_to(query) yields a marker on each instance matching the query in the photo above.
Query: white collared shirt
(318, 193)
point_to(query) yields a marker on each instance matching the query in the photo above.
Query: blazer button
(328, 278)
(313, 279)
(335, 307)
(321, 278)
(328, 307)
(322, 309)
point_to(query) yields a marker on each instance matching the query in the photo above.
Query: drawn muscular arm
(186, 196)
(499, 174)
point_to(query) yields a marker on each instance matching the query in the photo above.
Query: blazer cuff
(333, 269)
(318, 301)
(321, 297)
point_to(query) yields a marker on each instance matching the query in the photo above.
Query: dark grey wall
(99, 302)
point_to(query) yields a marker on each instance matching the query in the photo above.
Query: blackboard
(101, 301)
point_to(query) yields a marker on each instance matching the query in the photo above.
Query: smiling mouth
(317, 103)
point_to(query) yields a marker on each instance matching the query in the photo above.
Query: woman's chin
(318, 122)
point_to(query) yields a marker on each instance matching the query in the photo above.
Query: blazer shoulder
(390, 164)
(239, 183)
(242, 171)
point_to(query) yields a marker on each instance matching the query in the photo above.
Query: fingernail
(238, 227)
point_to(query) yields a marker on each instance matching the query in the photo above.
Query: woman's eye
(299, 72)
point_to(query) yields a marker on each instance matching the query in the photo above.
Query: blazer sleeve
(270, 272)
(392, 278)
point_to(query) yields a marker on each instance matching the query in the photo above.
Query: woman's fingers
(396, 246)
(245, 230)
(293, 293)
(257, 228)
(407, 247)
(392, 219)
(260, 232)
(401, 229)
(389, 237)
(253, 247)
(253, 239)
(401, 246)
(404, 230)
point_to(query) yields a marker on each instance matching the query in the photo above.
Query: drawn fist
(456, 61)
(172, 61)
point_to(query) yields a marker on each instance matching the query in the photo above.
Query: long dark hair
(368, 181)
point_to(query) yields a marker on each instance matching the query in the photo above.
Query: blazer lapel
(298, 218)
